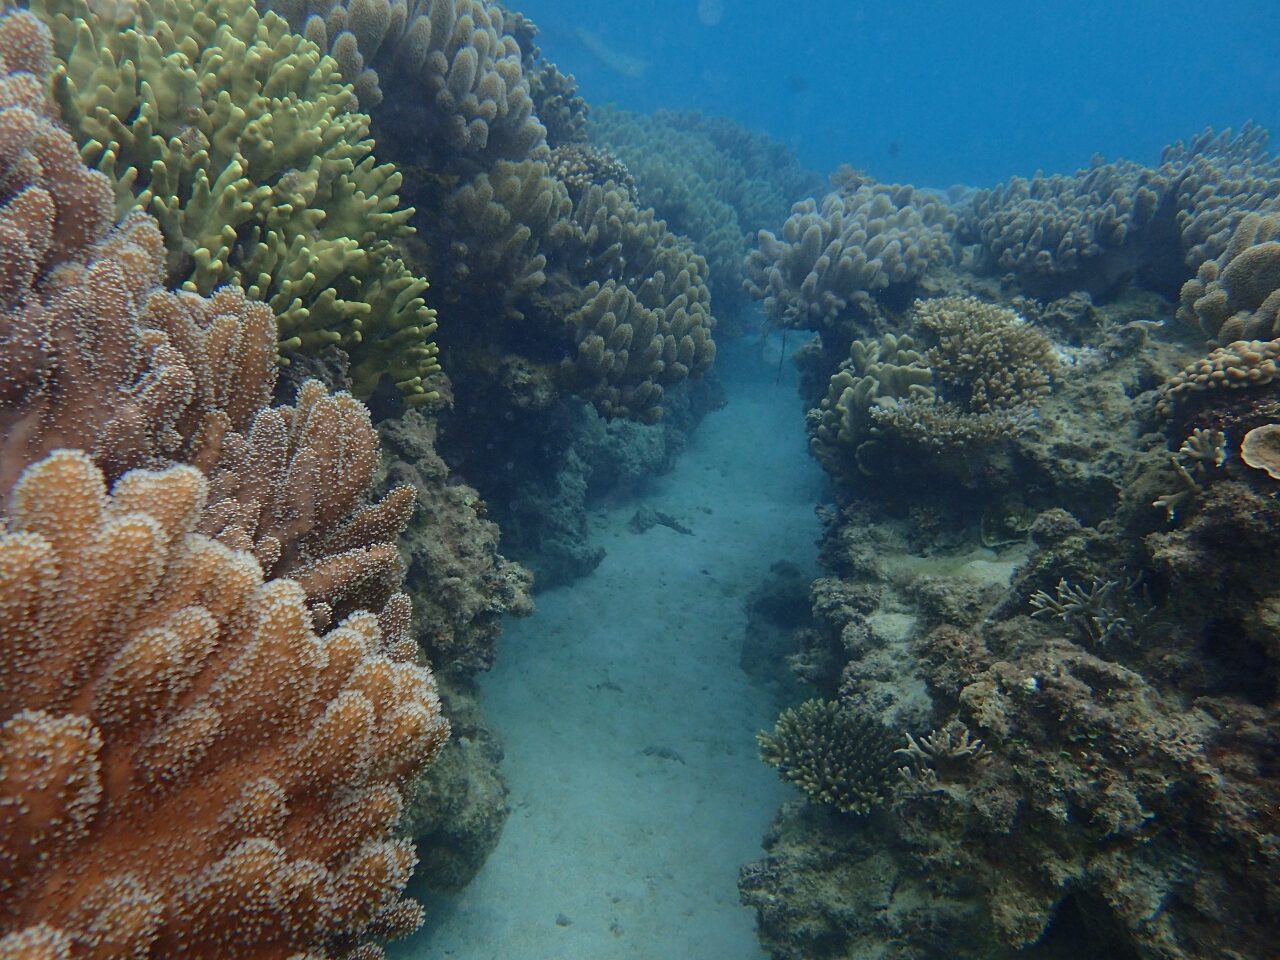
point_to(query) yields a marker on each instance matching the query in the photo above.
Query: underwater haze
(935, 92)
(639, 481)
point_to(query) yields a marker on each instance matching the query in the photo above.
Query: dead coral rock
(456, 810)
(463, 584)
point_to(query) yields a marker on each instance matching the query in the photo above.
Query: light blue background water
(969, 92)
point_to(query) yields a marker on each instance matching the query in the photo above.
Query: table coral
(1260, 449)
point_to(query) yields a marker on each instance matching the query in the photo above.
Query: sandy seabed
(629, 725)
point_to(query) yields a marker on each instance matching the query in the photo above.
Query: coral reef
(1100, 228)
(462, 584)
(610, 305)
(257, 169)
(455, 811)
(699, 176)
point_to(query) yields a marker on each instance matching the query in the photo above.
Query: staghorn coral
(1200, 455)
(986, 357)
(833, 753)
(240, 139)
(470, 93)
(939, 756)
(187, 767)
(833, 259)
(1237, 296)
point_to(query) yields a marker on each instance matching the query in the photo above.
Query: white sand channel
(628, 724)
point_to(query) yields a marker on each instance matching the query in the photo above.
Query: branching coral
(1104, 611)
(832, 259)
(1200, 455)
(938, 756)
(239, 138)
(833, 753)
(1237, 366)
(187, 767)
(987, 357)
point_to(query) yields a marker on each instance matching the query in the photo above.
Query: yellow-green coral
(240, 138)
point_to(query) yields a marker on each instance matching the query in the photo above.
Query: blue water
(933, 93)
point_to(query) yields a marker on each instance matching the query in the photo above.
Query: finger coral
(240, 139)
(1065, 232)
(187, 767)
(471, 94)
(1237, 296)
(833, 258)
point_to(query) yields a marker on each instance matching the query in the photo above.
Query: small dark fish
(894, 149)
(797, 84)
